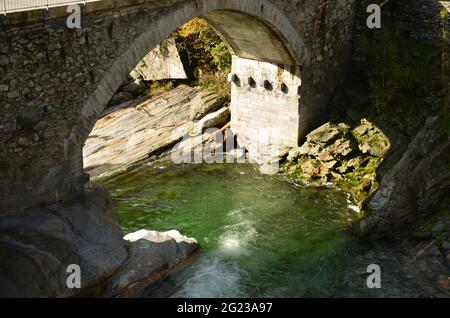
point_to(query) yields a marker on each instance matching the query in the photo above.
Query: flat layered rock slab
(128, 135)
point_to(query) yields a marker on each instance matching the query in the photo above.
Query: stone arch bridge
(288, 58)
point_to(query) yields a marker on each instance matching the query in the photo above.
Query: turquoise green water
(262, 236)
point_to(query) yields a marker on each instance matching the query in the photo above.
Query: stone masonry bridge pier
(288, 57)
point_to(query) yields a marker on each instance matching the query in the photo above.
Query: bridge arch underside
(266, 49)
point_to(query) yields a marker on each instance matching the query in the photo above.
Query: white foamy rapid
(213, 277)
(218, 274)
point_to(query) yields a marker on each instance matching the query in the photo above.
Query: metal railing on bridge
(9, 6)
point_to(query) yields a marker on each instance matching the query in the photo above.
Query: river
(261, 236)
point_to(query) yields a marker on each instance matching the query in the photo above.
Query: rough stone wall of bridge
(49, 75)
(423, 20)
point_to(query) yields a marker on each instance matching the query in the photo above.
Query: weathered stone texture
(55, 82)
(163, 62)
(422, 19)
(37, 245)
(152, 255)
(413, 187)
(265, 105)
(126, 135)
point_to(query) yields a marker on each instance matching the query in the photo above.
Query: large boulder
(413, 186)
(336, 153)
(324, 134)
(37, 245)
(124, 136)
(329, 141)
(151, 256)
(163, 62)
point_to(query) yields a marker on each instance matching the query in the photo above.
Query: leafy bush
(204, 47)
(222, 57)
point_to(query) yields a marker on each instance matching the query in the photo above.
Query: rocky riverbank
(392, 196)
(127, 134)
(392, 199)
(39, 248)
(414, 186)
(416, 259)
(151, 256)
(342, 155)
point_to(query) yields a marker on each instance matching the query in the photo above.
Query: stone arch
(285, 46)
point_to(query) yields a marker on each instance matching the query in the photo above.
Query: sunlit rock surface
(163, 62)
(127, 135)
(152, 255)
(336, 153)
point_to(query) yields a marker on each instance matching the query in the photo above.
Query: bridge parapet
(9, 6)
(19, 12)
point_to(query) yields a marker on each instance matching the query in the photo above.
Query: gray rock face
(163, 62)
(438, 227)
(204, 103)
(151, 256)
(446, 245)
(130, 134)
(336, 153)
(37, 245)
(414, 185)
(324, 134)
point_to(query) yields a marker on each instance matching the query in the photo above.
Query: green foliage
(221, 55)
(204, 47)
(443, 14)
(396, 80)
(205, 56)
(208, 56)
(362, 182)
(216, 83)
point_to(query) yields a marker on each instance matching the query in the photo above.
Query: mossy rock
(332, 153)
(371, 139)
(325, 134)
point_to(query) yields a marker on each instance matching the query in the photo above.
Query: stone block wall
(418, 20)
(264, 105)
(421, 18)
